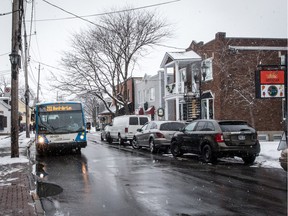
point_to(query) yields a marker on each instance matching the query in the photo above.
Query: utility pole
(38, 85)
(27, 110)
(15, 63)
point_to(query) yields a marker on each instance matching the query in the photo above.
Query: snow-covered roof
(189, 56)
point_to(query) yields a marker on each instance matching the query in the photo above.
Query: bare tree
(102, 58)
(3, 84)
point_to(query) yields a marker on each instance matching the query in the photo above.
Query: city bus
(59, 126)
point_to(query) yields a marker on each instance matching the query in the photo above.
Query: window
(172, 126)
(200, 126)
(153, 125)
(183, 75)
(209, 127)
(209, 71)
(3, 122)
(190, 127)
(152, 94)
(207, 106)
(143, 120)
(133, 121)
(139, 97)
(145, 127)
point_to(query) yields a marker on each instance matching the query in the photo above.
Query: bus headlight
(82, 136)
(41, 139)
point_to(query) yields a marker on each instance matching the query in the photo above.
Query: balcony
(171, 89)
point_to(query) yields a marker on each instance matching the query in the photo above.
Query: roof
(7, 106)
(188, 56)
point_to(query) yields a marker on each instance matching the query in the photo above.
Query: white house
(174, 93)
(5, 116)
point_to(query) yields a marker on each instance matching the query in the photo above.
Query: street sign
(7, 92)
(270, 83)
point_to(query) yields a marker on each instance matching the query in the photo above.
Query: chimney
(220, 35)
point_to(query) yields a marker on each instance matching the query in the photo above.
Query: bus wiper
(47, 127)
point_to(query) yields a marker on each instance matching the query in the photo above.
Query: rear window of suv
(235, 126)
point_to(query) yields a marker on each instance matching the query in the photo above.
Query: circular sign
(7, 90)
(160, 112)
(272, 91)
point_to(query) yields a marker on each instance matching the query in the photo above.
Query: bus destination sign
(59, 107)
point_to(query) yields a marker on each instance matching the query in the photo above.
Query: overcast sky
(197, 20)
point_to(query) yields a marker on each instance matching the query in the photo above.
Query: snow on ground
(5, 144)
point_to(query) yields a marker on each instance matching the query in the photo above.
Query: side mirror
(139, 129)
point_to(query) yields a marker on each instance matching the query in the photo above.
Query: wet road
(111, 180)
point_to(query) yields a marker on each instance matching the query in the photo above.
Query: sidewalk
(17, 184)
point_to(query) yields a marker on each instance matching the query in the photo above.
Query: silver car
(105, 134)
(156, 135)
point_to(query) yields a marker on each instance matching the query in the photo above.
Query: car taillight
(126, 130)
(219, 138)
(159, 135)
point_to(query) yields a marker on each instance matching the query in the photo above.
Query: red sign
(272, 77)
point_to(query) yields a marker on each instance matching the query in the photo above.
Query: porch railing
(171, 88)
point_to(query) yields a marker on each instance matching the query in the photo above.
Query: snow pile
(269, 155)
(8, 160)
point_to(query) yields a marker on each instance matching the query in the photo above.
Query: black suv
(213, 139)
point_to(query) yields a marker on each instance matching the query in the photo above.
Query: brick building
(228, 91)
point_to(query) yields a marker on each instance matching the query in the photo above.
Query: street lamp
(198, 75)
(14, 59)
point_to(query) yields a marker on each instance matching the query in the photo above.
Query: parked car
(124, 127)
(213, 139)
(105, 134)
(156, 134)
(283, 159)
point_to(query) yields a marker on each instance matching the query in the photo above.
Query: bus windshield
(61, 122)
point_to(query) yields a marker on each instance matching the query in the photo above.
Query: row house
(105, 116)
(149, 95)
(217, 80)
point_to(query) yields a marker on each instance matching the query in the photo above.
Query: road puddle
(45, 189)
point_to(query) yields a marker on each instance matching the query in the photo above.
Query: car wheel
(152, 146)
(102, 138)
(120, 140)
(135, 144)
(207, 154)
(249, 159)
(175, 149)
(78, 150)
(109, 140)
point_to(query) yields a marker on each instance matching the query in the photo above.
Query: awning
(141, 111)
(150, 110)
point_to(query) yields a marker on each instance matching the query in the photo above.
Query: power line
(4, 54)
(162, 45)
(73, 14)
(100, 14)
(4, 14)
(49, 66)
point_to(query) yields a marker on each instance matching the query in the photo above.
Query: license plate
(241, 137)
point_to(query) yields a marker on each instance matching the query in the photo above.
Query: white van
(124, 127)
